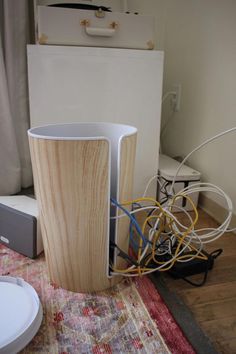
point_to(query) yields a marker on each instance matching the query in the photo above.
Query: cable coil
(161, 239)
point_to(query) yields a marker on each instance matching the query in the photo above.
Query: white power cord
(167, 94)
(198, 148)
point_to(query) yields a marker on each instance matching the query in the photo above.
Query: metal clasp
(100, 13)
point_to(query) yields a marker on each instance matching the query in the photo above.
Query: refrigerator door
(84, 84)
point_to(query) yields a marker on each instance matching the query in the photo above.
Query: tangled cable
(158, 239)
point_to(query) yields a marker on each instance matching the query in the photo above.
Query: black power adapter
(181, 270)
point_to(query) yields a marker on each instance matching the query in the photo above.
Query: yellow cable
(147, 199)
(193, 223)
(181, 239)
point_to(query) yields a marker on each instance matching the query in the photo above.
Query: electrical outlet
(175, 101)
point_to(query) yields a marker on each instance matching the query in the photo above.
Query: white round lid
(20, 314)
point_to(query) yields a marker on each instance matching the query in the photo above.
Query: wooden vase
(77, 167)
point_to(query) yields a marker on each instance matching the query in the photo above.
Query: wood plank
(216, 310)
(224, 262)
(209, 293)
(222, 330)
(226, 347)
(227, 244)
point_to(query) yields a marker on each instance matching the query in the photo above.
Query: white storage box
(66, 26)
(185, 177)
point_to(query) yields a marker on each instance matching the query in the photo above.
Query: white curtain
(15, 167)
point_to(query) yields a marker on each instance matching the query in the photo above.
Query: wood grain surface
(71, 185)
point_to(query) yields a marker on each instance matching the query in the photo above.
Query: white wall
(200, 53)
(199, 41)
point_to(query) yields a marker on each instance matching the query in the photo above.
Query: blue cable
(133, 242)
(134, 221)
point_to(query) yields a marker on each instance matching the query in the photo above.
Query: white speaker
(19, 225)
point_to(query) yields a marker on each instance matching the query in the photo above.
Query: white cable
(231, 230)
(198, 148)
(157, 268)
(135, 211)
(167, 94)
(149, 183)
(146, 248)
(197, 187)
(193, 235)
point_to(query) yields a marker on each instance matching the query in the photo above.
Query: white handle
(102, 32)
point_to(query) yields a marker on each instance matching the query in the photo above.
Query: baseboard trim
(215, 210)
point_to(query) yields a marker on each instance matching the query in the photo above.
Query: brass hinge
(113, 25)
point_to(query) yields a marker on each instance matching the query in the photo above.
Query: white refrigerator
(88, 84)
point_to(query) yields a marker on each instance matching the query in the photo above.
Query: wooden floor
(214, 304)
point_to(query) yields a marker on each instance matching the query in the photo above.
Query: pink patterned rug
(129, 318)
